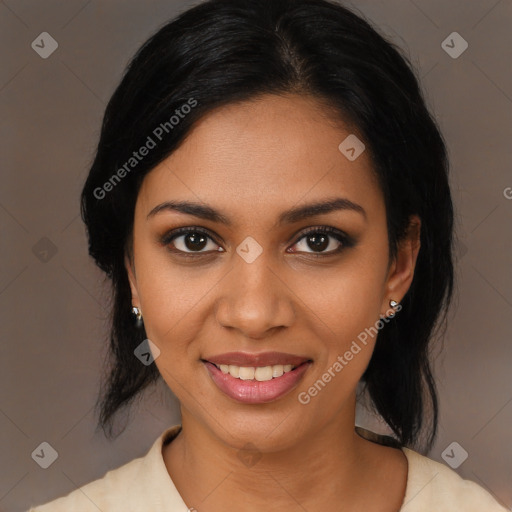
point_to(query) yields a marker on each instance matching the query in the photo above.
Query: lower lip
(253, 391)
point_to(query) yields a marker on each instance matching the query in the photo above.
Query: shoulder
(133, 486)
(99, 494)
(434, 486)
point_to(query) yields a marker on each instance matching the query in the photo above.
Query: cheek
(171, 304)
(171, 297)
(345, 306)
(347, 298)
(346, 341)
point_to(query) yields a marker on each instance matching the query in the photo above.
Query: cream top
(144, 484)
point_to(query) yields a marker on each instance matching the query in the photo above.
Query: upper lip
(260, 359)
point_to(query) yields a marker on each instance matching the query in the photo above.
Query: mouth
(256, 384)
(257, 373)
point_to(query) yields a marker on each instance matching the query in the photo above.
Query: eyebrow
(291, 216)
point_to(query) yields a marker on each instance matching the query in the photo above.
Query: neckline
(391, 442)
(171, 433)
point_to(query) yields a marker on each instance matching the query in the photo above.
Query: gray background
(52, 298)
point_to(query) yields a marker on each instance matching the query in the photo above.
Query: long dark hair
(225, 51)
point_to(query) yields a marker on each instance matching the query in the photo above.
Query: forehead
(264, 154)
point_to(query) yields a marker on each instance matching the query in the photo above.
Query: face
(260, 276)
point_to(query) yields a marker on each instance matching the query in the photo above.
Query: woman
(270, 198)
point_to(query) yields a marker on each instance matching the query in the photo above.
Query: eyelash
(345, 240)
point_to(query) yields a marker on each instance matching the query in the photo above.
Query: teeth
(261, 373)
(277, 370)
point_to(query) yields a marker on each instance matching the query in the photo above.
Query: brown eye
(323, 241)
(189, 241)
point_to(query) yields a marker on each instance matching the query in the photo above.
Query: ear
(130, 269)
(401, 271)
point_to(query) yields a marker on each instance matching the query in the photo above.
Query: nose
(254, 299)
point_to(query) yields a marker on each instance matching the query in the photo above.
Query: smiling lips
(256, 378)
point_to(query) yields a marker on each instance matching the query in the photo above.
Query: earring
(393, 304)
(138, 315)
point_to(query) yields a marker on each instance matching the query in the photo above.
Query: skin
(252, 161)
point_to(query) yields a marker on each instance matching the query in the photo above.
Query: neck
(213, 475)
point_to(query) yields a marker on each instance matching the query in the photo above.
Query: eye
(190, 240)
(319, 239)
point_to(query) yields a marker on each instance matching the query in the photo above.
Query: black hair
(221, 52)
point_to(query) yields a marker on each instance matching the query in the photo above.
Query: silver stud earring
(138, 315)
(393, 304)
